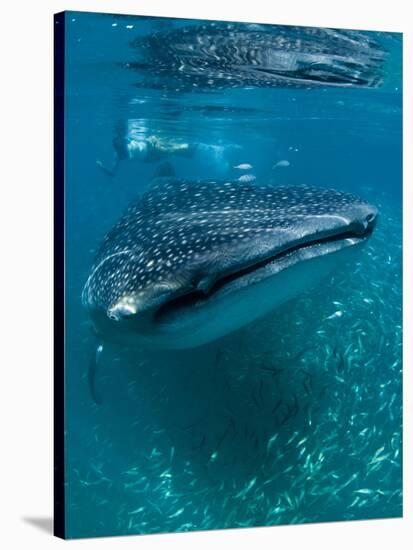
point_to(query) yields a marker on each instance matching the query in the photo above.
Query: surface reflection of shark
(192, 261)
(220, 55)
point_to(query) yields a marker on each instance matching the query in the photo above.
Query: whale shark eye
(122, 309)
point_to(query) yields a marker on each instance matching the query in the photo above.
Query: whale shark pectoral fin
(91, 376)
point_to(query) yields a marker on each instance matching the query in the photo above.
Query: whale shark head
(190, 261)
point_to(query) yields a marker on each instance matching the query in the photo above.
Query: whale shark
(218, 55)
(191, 261)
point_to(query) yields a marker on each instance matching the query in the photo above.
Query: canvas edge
(59, 527)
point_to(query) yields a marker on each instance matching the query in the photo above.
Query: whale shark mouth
(271, 265)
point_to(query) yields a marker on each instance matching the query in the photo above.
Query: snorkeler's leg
(164, 170)
(188, 151)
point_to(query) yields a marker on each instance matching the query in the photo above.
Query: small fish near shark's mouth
(307, 249)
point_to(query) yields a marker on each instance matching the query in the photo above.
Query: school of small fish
(295, 419)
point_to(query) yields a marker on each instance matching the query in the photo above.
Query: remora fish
(218, 55)
(191, 261)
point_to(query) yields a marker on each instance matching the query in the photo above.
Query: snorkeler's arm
(110, 171)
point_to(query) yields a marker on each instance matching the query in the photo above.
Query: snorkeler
(146, 149)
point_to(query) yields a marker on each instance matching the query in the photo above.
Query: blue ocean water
(295, 418)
